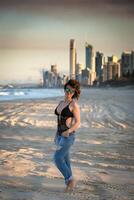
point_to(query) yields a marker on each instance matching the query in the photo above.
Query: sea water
(28, 93)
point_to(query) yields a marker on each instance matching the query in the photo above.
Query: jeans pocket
(62, 141)
(66, 141)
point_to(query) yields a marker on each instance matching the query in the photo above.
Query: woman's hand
(65, 133)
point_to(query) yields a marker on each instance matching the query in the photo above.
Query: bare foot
(70, 185)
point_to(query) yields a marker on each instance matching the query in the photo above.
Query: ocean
(28, 93)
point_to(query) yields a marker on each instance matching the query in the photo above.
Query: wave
(13, 94)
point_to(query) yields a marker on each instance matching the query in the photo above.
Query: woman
(68, 120)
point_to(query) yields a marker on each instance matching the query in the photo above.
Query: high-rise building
(51, 79)
(72, 59)
(99, 62)
(111, 71)
(78, 72)
(89, 56)
(54, 69)
(104, 76)
(89, 71)
(132, 61)
(85, 77)
(112, 59)
(126, 62)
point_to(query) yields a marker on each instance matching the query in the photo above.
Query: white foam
(13, 94)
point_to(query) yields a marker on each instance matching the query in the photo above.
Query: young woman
(68, 121)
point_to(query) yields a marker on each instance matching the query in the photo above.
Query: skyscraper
(111, 69)
(89, 62)
(54, 69)
(112, 59)
(78, 72)
(72, 59)
(99, 62)
(126, 62)
(132, 61)
(89, 56)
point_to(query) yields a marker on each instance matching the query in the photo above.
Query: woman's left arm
(75, 126)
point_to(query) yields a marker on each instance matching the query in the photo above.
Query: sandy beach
(102, 156)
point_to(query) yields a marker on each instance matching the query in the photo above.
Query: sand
(102, 156)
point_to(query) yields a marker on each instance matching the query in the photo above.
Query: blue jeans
(61, 156)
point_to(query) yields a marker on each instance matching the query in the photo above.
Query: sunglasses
(68, 90)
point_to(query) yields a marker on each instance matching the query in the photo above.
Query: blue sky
(36, 34)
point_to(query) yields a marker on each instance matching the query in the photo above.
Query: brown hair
(75, 85)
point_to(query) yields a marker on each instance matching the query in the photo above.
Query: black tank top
(61, 118)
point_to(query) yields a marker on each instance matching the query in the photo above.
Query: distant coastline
(109, 83)
(118, 83)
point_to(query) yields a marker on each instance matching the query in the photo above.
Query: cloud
(112, 7)
(25, 24)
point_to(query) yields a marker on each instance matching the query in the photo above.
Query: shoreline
(105, 88)
(31, 100)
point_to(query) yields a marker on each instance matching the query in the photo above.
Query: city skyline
(34, 35)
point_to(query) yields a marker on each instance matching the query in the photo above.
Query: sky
(34, 34)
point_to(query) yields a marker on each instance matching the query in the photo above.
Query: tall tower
(78, 72)
(132, 61)
(89, 56)
(99, 62)
(54, 69)
(126, 62)
(72, 58)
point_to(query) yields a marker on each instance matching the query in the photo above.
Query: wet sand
(102, 156)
